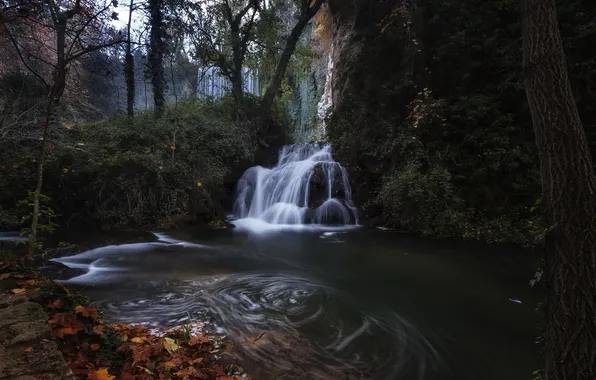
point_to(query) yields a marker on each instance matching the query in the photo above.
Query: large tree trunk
(282, 64)
(156, 53)
(569, 190)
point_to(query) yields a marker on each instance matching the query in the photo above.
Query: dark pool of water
(363, 304)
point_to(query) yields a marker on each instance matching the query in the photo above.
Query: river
(306, 292)
(356, 303)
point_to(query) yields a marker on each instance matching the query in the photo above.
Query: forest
(450, 122)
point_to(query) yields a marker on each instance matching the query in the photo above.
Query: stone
(27, 349)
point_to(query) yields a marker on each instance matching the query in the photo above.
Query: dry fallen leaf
(140, 339)
(169, 365)
(100, 374)
(4, 276)
(98, 330)
(28, 349)
(170, 345)
(87, 312)
(29, 283)
(59, 333)
(195, 361)
(19, 291)
(95, 347)
(198, 339)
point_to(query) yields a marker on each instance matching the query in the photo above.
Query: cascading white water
(306, 187)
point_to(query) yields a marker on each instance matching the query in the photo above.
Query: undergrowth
(141, 171)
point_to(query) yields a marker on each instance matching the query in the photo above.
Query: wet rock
(319, 184)
(20, 312)
(7, 300)
(203, 209)
(27, 350)
(44, 361)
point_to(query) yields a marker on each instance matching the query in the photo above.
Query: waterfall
(305, 187)
(325, 106)
(213, 84)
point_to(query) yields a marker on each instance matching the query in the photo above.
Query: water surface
(359, 304)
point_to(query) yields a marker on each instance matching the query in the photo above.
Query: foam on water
(96, 265)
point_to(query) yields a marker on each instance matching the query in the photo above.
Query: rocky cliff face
(429, 112)
(371, 85)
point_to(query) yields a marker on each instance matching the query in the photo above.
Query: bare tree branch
(91, 49)
(17, 48)
(84, 26)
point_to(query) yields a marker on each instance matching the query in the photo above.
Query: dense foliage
(438, 132)
(144, 172)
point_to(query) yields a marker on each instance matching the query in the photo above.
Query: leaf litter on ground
(97, 350)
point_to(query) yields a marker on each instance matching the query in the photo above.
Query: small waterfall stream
(305, 187)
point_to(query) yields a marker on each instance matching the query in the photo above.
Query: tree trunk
(569, 191)
(129, 69)
(156, 53)
(129, 75)
(237, 90)
(238, 62)
(282, 64)
(53, 101)
(49, 116)
(173, 78)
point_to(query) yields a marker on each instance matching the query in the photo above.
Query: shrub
(140, 171)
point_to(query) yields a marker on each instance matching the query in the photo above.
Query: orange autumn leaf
(28, 349)
(95, 347)
(187, 372)
(29, 283)
(87, 312)
(169, 365)
(100, 374)
(139, 339)
(4, 276)
(98, 330)
(65, 320)
(59, 333)
(19, 291)
(195, 361)
(18, 275)
(198, 340)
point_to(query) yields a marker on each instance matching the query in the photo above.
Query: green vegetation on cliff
(431, 115)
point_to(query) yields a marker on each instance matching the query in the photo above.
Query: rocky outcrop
(371, 88)
(27, 349)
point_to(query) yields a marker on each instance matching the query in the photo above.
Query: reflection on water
(316, 304)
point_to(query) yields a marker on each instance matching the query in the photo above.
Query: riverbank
(49, 331)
